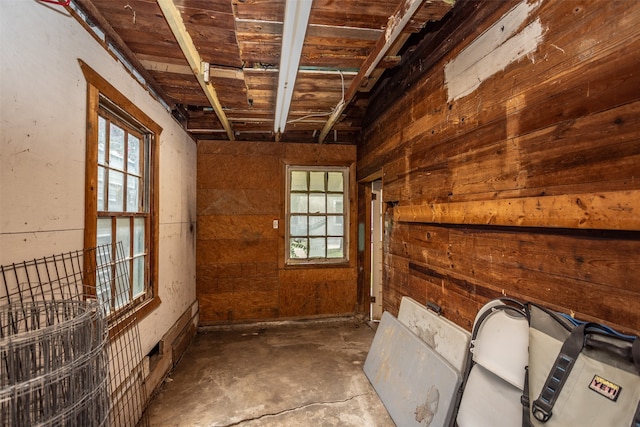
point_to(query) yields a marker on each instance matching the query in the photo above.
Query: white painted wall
(504, 42)
(42, 152)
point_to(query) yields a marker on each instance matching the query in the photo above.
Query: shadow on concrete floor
(295, 374)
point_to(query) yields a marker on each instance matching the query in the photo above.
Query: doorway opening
(376, 233)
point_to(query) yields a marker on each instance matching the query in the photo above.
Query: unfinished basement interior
(223, 212)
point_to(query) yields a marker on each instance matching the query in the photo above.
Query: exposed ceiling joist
(167, 67)
(315, 30)
(172, 15)
(397, 23)
(348, 47)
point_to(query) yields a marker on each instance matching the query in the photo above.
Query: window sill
(311, 264)
(118, 322)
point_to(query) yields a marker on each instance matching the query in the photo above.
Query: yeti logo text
(605, 388)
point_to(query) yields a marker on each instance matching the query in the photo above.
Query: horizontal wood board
(553, 135)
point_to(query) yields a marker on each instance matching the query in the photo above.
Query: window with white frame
(317, 215)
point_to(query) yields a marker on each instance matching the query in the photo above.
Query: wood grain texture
(243, 38)
(492, 193)
(190, 51)
(617, 210)
(241, 274)
(396, 25)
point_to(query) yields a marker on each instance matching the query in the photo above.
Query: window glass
(100, 189)
(138, 276)
(133, 194)
(116, 147)
(299, 202)
(317, 203)
(335, 203)
(102, 139)
(335, 247)
(317, 217)
(123, 234)
(335, 226)
(123, 188)
(138, 231)
(122, 296)
(335, 182)
(299, 247)
(104, 231)
(317, 247)
(116, 191)
(299, 181)
(298, 225)
(103, 293)
(317, 226)
(316, 181)
(133, 155)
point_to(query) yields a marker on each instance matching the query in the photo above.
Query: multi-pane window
(121, 198)
(317, 215)
(123, 205)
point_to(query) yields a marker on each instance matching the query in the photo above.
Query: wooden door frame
(364, 244)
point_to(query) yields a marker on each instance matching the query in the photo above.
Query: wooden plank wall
(562, 119)
(240, 256)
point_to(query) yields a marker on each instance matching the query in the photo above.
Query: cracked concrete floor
(298, 374)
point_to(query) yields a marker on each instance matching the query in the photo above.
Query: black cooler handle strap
(542, 407)
(635, 354)
(635, 349)
(524, 399)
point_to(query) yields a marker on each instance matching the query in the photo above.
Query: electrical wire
(57, 2)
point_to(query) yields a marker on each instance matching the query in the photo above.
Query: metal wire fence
(54, 364)
(69, 347)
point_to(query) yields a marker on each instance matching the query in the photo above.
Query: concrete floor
(295, 374)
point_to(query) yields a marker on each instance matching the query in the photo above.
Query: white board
(416, 385)
(502, 346)
(488, 401)
(448, 339)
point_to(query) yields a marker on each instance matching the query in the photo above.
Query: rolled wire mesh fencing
(70, 350)
(54, 364)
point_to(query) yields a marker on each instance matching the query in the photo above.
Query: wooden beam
(615, 210)
(392, 55)
(165, 67)
(265, 27)
(172, 15)
(214, 72)
(355, 33)
(397, 22)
